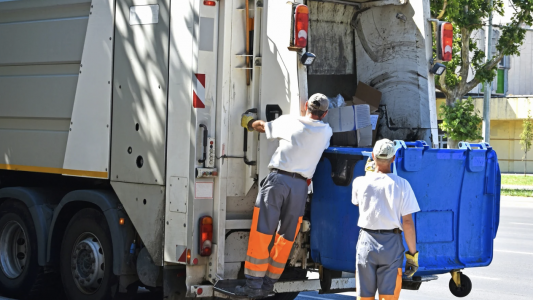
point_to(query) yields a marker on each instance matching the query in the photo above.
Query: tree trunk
(452, 96)
(525, 163)
(452, 144)
(450, 101)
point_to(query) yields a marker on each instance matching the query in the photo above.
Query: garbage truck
(123, 163)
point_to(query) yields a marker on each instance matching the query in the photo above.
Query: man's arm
(409, 233)
(257, 125)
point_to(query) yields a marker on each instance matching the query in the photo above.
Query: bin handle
(468, 146)
(418, 144)
(496, 212)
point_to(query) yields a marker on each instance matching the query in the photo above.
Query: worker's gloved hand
(245, 120)
(370, 165)
(411, 266)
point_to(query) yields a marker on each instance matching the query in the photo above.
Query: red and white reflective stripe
(199, 91)
(183, 257)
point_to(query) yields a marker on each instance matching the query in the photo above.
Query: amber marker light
(121, 221)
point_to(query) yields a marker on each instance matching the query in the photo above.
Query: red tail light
(301, 25)
(210, 3)
(445, 41)
(206, 236)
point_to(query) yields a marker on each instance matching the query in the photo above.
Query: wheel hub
(13, 249)
(87, 263)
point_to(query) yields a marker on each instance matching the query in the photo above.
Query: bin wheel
(464, 290)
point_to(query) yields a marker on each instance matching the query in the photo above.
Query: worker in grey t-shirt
(384, 200)
(282, 197)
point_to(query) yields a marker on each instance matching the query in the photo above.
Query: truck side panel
(140, 91)
(42, 44)
(90, 126)
(179, 128)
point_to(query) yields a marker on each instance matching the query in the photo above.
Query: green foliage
(460, 121)
(466, 17)
(526, 137)
(517, 193)
(508, 179)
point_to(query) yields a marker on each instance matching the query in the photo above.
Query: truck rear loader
(122, 159)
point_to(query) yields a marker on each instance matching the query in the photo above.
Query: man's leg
(291, 218)
(365, 267)
(264, 223)
(389, 273)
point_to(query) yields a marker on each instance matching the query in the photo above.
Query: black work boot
(268, 286)
(246, 291)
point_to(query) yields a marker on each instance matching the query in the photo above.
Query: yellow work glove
(411, 265)
(370, 165)
(245, 120)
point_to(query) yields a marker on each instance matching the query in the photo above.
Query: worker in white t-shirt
(384, 200)
(283, 193)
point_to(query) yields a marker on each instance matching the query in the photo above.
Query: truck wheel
(87, 257)
(464, 290)
(21, 277)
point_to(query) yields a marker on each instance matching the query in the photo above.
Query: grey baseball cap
(318, 102)
(384, 149)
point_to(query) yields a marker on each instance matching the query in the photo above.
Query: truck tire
(86, 261)
(21, 277)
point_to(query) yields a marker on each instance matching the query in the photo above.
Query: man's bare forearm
(257, 125)
(409, 233)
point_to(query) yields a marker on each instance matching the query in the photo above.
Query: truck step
(227, 287)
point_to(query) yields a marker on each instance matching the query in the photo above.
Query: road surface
(508, 277)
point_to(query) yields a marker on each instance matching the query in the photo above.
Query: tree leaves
(460, 121)
(466, 17)
(526, 137)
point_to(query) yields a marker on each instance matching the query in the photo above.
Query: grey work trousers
(379, 265)
(280, 205)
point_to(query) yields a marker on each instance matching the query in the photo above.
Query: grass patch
(517, 180)
(519, 193)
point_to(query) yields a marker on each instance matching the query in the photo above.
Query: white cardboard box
(352, 118)
(349, 118)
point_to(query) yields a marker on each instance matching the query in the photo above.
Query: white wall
(520, 75)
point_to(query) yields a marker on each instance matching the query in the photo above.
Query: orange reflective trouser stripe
(397, 289)
(280, 254)
(257, 257)
(279, 207)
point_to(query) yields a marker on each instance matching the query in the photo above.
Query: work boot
(246, 291)
(268, 286)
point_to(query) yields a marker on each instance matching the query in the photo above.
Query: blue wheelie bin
(458, 191)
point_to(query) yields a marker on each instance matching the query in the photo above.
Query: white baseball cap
(384, 149)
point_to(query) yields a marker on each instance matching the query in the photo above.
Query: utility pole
(488, 85)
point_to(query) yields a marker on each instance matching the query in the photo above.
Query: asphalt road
(509, 275)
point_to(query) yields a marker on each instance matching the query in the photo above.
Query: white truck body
(114, 93)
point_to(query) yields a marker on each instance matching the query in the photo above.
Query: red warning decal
(199, 91)
(183, 257)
